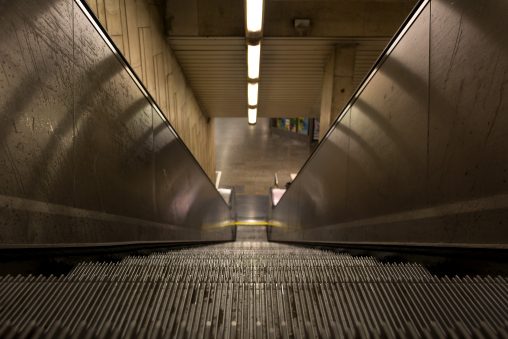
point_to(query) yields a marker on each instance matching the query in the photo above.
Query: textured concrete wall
(84, 155)
(343, 78)
(329, 18)
(421, 156)
(137, 29)
(337, 87)
(336, 18)
(325, 108)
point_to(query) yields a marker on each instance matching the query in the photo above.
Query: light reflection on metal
(245, 223)
(277, 194)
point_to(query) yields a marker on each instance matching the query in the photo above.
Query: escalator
(252, 289)
(111, 229)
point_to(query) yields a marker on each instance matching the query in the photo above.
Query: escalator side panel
(85, 156)
(420, 154)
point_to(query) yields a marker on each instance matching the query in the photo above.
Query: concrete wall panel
(137, 29)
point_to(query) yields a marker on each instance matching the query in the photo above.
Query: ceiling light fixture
(252, 93)
(252, 116)
(253, 36)
(253, 60)
(254, 15)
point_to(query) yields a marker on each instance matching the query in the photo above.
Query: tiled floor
(248, 156)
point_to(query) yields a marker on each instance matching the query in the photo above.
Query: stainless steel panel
(252, 207)
(468, 116)
(468, 106)
(35, 96)
(318, 194)
(183, 193)
(84, 155)
(388, 133)
(426, 149)
(113, 131)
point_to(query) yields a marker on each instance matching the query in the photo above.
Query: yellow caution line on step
(251, 223)
(247, 223)
(257, 223)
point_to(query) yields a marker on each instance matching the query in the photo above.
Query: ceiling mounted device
(302, 26)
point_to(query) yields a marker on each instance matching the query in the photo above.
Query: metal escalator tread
(252, 290)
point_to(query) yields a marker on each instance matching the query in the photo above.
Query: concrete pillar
(211, 160)
(337, 84)
(326, 96)
(343, 77)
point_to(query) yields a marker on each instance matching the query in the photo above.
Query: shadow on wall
(385, 125)
(73, 125)
(84, 157)
(427, 134)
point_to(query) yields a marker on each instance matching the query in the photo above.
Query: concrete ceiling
(207, 37)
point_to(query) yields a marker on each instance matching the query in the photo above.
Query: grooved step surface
(252, 290)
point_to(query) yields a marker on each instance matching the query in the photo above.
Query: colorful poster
(293, 122)
(281, 123)
(303, 126)
(296, 125)
(316, 130)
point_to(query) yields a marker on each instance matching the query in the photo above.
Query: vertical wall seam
(73, 93)
(427, 193)
(347, 159)
(154, 172)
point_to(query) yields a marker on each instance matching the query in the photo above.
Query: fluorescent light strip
(252, 93)
(254, 15)
(253, 59)
(252, 115)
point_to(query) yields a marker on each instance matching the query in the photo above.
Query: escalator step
(252, 290)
